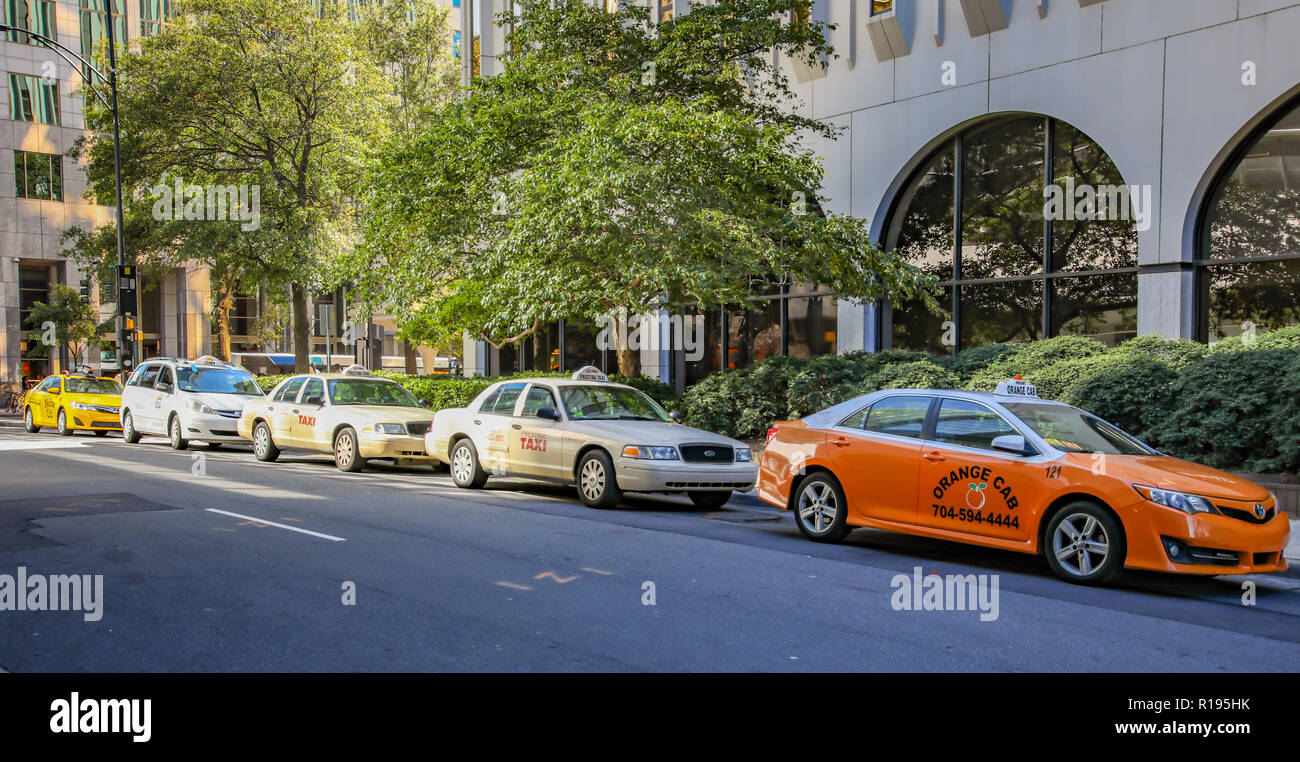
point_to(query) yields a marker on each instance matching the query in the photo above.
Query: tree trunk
(408, 351)
(301, 329)
(225, 302)
(629, 364)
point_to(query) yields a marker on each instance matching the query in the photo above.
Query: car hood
(651, 433)
(381, 413)
(230, 402)
(1174, 474)
(111, 400)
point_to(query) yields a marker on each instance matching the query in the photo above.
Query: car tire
(466, 471)
(62, 424)
(176, 435)
(820, 510)
(129, 434)
(101, 433)
(597, 485)
(347, 451)
(1085, 544)
(710, 500)
(29, 422)
(263, 446)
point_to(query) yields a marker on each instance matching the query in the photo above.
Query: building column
(1166, 303)
(856, 326)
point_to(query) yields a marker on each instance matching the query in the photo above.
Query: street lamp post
(124, 344)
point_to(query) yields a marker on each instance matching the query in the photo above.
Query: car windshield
(610, 403)
(346, 391)
(91, 386)
(216, 381)
(1072, 430)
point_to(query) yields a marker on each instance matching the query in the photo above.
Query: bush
(1286, 421)
(1178, 353)
(826, 379)
(1224, 409)
(1131, 392)
(919, 374)
(968, 362)
(1034, 357)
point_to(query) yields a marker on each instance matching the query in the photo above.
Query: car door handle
(478, 423)
(841, 441)
(934, 456)
(515, 426)
(295, 411)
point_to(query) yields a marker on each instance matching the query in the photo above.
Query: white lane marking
(274, 524)
(19, 444)
(137, 470)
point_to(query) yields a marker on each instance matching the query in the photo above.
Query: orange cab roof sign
(1017, 387)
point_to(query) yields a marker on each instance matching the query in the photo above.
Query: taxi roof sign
(356, 369)
(1017, 387)
(589, 373)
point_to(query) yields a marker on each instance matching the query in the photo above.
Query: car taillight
(770, 433)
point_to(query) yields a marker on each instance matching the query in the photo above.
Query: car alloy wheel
(29, 421)
(174, 432)
(129, 434)
(1081, 544)
(596, 483)
(64, 431)
(263, 447)
(465, 469)
(820, 509)
(346, 454)
(593, 479)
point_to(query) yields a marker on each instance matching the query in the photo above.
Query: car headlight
(744, 455)
(82, 406)
(390, 428)
(199, 407)
(645, 452)
(1178, 500)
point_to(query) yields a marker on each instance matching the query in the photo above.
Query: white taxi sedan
(603, 437)
(351, 415)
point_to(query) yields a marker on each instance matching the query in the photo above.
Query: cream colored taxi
(352, 415)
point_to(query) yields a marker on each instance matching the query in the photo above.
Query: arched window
(1248, 262)
(1031, 231)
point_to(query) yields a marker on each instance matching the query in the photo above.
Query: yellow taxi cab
(74, 402)
(1013, 471)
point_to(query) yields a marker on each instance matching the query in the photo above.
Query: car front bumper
(1167, 540)
(93, 420)
(211, 428)
(395, 446)
(637, 475)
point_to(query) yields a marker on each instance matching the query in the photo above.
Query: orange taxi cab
(1013, 471)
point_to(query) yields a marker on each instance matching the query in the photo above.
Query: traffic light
(85, 288)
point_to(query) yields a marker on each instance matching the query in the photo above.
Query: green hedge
(1235, 406)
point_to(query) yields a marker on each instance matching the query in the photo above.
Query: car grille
(706, 453)
(224, 433)
(1237, 513)
(701, 485)
(227, 413)
(418, 428)
(105, 425)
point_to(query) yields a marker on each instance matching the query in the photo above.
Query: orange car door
(965, 484)
(876, 452)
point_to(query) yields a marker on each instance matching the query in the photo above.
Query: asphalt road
(519, 577)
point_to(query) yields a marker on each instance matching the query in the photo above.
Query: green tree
(278, 95)
(66, 321)
(614, 166)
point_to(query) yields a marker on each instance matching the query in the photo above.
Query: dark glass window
(1016, 178)
(38, 176)
(902, 416)
(1249, 259)
(31, 15)
(754, 334)
(811, 324)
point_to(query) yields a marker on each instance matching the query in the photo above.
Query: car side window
(902, 416)
(538, 398)
(314, 386)
(289, 392)
(165, 377)
(48, 384)
(491, 400)
(147, 376)
(504, 404)
(969, 424)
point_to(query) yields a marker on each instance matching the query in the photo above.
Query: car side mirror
(423, 403)
(1014, 444)
(549, 413)
(675, 417)
(56, 390)
(314, 399)
(164, 387)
